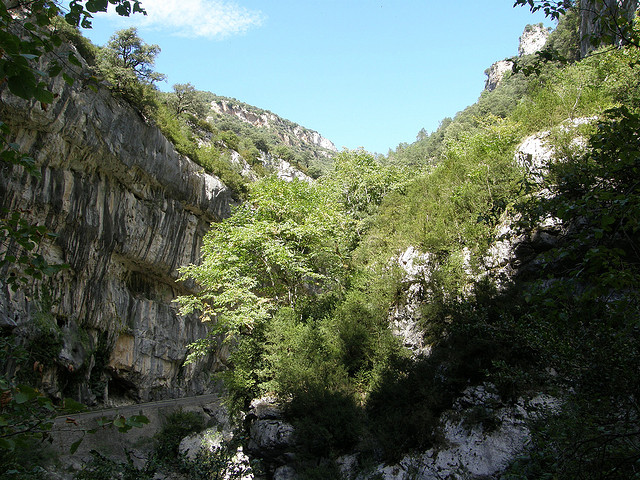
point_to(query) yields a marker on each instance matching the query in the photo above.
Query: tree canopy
(127, 55)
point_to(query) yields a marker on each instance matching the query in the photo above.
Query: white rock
(534, 155)
(266, 407)
(283, 169)
(209, 440)
(270, 436)
(285, 472)
(496, 73)
(533, 39)
(471, 452)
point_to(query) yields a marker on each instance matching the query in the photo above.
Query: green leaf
(7, 444)
(102, 421)
(94, 6)
(21, 397)
(75, 445)
(140, 419)
(124, 9)
(44, 96)
(67, 79)
(607, 220)
(137, 421)
(119, 421)
(74, 60)
(71, 406)
(57, 40)
(23, 85)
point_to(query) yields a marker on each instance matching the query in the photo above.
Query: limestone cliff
(128, 210)
(289, 133)
(591, 25)
(533, 39)
(495, 73)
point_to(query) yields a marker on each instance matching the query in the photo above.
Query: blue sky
(363, 73)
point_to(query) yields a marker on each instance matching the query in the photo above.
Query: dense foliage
(565, 326)
(300, 282)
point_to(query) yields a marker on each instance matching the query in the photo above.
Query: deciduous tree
(188, 100)
(127, 56)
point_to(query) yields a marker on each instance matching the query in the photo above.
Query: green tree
(360, 183)
(287, 241)
(127, 57)
(187, 100)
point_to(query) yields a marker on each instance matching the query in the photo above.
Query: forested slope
(322, 289)
(465, 296)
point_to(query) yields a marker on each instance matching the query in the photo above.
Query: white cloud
(214, 19)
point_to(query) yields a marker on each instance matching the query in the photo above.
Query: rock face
(470, 451)
(270, 437)
(289, 132)
(590, 25)
(129, 211)
(405, 316)
(534, 154)
(495, 73)
(515, 251)
(533, 39)
(265, 119)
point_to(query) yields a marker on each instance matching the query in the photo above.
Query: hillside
(302, 141)
(466, 307)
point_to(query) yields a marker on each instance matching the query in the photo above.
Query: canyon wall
(128, 211)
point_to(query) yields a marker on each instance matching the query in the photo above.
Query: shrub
(177, 425)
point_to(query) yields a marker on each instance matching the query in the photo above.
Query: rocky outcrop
(515, 251)
(533, 156)
(262, 119)
(271, 438)
(471, 449)
(289, 133)
(495, 74)
(314, 138)
(128, 211)
(283, 169)
(533, 39)
(535, 153)
(213, 444)
(405, 316)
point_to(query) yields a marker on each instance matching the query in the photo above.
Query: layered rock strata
(128, 210)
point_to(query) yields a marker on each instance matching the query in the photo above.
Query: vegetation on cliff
(30, 43)
(566, 326)
(301, 279)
